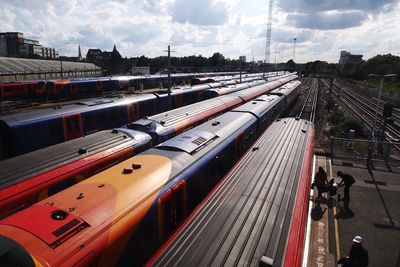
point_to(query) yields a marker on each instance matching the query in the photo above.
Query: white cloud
(233, 28)
(205, 12)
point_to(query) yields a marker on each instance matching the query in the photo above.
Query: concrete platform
(373, 212)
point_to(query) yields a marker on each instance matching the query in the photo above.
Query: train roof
(287, 88)
(17, 169)
(89, 79)
(248, 216)
(54, 112)
(260, 105)
(174, 116)
(226, 123)
(20, 83)
(193, 144)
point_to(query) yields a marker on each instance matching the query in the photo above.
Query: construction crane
(268, 42)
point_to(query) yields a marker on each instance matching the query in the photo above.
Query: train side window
(55, 129)
(90, 121)
(101, 117)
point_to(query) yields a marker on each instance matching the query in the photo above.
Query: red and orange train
(104, 220)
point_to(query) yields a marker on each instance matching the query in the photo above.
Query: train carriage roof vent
(96, 102)
(82, 151)
(266, 261)
(189, 142)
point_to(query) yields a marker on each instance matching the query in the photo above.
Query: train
(33, 176)
(80, 87)
(257, 215)
(165, 125)
(54, 125)
(121, 215)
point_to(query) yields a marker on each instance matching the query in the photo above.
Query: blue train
(29, 131)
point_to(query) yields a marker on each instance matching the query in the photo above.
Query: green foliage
(217, 62)
(342, 126)
(380, 64)
(320, 67)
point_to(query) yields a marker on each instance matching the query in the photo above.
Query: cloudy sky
(202, 27)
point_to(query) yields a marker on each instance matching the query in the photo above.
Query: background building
(13, 44)
(347, 56)
(242, 58)
(111, 62)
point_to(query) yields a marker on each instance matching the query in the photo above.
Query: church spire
(79, 53)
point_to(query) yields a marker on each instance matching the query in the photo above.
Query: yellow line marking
(335, 219)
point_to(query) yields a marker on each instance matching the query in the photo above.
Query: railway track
(309, 107)
(367, 110)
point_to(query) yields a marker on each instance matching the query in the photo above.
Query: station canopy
(25, 65)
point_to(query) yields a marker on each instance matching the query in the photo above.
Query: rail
(309, 107)
(365, 110)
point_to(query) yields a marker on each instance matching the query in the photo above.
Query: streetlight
(382, 77)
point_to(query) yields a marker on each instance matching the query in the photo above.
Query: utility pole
(61, 69)
(294, 47)
(370, 148)
(275, 52)
(169, 76)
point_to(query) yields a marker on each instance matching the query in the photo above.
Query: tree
(217, 60)
(291, 65)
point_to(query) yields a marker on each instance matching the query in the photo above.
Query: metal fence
(362, 149)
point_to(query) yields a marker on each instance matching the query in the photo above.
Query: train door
(243, 141)
(29, 90)
(99, 86)
(178, 101)
(21, 90)
(239, 144)
(74, 88)
(172, 210)
(40, 89)
(72, 126)
(133, 112)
